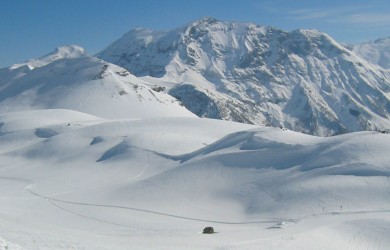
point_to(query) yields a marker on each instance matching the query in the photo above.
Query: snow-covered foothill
(73, 80)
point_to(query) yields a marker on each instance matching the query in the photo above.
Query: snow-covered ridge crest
(69, 51)
(303, 80)
(70, 79)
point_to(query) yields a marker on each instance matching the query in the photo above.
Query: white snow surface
(71, 180)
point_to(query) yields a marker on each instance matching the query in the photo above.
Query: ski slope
(71, 180)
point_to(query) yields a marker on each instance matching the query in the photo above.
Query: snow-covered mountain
(69, 79)
(303, 80)
(376, 52)
(93, 157)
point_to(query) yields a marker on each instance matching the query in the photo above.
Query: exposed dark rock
(208, 230)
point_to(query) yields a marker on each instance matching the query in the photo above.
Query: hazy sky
(32, 28)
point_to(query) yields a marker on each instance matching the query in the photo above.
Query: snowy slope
(69, 79)
(303, 80)
(375, 52)
(72, 180)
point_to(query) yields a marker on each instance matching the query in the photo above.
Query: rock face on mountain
(302, 80)
(67, 78)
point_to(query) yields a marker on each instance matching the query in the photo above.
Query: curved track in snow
(55, 201)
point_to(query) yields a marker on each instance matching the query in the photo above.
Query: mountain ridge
(303, 80)
(61, 52)
(70, 79)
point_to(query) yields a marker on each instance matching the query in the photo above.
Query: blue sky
(32, 28)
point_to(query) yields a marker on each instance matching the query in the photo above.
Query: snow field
(75, 181)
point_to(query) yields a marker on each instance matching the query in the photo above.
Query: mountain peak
(385, 40)
(313, 34)
(211, 22)
(310, 32)
(376, 52)
(207, 20)
(69, 51)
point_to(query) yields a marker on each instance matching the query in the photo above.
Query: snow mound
(272, 171)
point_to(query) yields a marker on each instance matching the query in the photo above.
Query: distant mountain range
(301, 80)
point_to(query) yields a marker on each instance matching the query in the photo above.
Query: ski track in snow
(55, 202)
